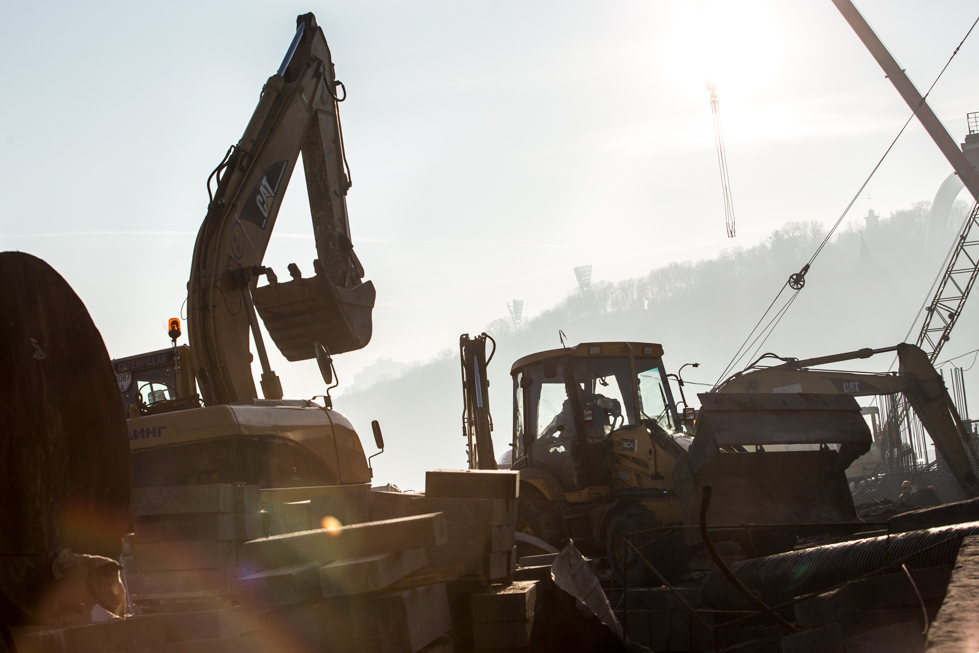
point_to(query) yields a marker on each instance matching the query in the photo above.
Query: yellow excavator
(917, 379)
(226, 433)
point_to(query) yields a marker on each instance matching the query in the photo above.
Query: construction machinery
(916, 379)
(477, 423)
(604, 457)
(227, 433)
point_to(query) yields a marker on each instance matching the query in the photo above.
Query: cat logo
(237, 240)
(258, 209)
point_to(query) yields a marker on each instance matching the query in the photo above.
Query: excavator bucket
(777, 458)
(303, 311)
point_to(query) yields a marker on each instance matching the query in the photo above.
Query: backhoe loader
(226, 433)
(605, 457)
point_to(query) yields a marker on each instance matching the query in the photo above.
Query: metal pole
(906, 88)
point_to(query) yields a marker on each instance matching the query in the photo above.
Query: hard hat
(906, 484)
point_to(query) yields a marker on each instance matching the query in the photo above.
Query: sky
(493, 145)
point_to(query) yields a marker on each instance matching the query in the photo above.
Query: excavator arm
(297, 112)
(917, 379)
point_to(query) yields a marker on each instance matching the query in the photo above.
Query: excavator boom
(297, 112)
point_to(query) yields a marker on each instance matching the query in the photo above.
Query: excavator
(605, 457)
(916, 379)
(226, 433)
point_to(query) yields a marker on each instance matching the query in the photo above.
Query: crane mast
(963, 268)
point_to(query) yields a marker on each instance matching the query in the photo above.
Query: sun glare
(736, 46)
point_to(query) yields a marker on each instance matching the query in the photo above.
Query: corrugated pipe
(778, 578)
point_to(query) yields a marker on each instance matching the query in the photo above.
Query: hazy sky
(494, 146)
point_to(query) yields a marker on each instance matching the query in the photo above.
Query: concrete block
(502, 538)
(537, 560)
(825, 639)
(149, 529)
(502, 634)
(412, 619)
(472, 484)
(230, 644)
(328, 505)
(356, 540)
(296, 516)
(282, 586)
(131, 633)
(511, 602)
(182, 499)
(144, 585)
(393, 505)
(501, 564)
(49, 641)
(311, 626)
(441, 645)
(370, 574)
(208, 624)
(203, 554)
(247, 498)
(493, 512)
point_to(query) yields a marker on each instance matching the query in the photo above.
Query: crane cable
(715, 110)
(797, 281)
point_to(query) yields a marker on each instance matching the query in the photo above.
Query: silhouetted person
(907, 491)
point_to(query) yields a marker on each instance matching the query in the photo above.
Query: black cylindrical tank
(64, 452)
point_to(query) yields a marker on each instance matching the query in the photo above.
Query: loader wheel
(539, 517)
(665, 550)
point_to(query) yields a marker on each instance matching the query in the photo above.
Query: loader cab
(573, 407)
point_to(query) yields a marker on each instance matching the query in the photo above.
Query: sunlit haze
(493, 146)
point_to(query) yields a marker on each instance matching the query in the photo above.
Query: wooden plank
(216, 497)
(472, 484)
(165, 556)
(283, 586)
(507, 603)
(357, 540)
(370, 574)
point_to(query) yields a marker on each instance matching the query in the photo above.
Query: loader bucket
(303, 311)
(777, 458)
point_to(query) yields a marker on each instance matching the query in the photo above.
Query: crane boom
(297, 112)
